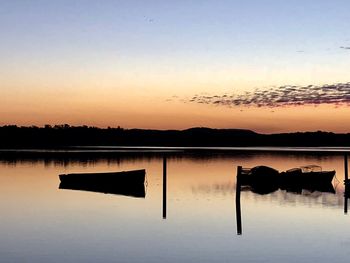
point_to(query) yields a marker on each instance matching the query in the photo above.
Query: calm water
(41, 223)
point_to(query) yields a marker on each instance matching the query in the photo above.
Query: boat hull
(128, 183)
(311, 177)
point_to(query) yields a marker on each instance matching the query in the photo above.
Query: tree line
(58, 136)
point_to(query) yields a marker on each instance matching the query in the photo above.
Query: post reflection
(164, 186)
(346, 184)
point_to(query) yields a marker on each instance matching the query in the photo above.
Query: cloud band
(336, 94)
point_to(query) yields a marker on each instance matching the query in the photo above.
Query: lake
(196, 222)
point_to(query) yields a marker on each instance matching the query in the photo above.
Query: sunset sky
(270, 66)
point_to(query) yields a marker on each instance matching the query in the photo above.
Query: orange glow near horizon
(135, 95)
(156, 98)
(158, 113)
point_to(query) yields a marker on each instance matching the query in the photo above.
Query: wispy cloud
(342, 47)
(336, 94)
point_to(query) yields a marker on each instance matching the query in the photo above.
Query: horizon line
(66, 126)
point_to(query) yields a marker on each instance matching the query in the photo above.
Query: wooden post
(346, 168)
(239, 172)
(164, 187)
(238, 201)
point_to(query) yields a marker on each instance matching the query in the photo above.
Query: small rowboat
(129, 183)
(309, 173)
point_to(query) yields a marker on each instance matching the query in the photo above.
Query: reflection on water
(164, 186)
(192, 212)
(130, 190)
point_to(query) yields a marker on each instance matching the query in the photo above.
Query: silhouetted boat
(310, 177)
(309, 173)
(129, 183)
(259, 173)
(264, 180)
(261, 179)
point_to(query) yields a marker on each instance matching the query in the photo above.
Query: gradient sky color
(138, 63)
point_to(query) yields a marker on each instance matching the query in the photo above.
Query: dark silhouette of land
(60, 136)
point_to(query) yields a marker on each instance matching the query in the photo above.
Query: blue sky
(177, 29)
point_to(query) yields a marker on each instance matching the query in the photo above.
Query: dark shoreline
(67, 137)
(65, 156)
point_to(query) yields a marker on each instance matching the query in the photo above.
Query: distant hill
(64, 135)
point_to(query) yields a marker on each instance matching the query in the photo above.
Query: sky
(269, 66)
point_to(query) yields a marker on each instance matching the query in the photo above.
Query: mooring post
(164, 187)
(239, 172)
(346, 168)
(238, 200)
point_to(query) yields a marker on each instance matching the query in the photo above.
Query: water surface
(42, 223)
